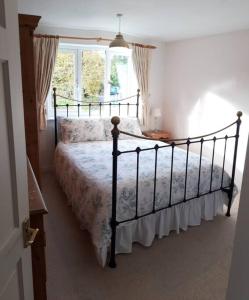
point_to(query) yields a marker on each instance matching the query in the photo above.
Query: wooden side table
(157, 134)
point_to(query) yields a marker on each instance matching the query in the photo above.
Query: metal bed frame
(169, 144)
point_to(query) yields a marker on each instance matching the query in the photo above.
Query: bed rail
(128, 103)
(211, 137)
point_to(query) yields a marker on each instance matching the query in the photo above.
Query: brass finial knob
(115, 121)
(239, 114)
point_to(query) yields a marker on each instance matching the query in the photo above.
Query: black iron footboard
(171, 144)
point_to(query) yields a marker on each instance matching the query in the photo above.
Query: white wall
(206, 83)
(156, 82)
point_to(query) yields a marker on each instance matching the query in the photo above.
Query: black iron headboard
(133, 101)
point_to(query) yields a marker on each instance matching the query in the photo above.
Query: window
(64, 74)
(92, 74)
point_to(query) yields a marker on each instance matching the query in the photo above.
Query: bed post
(115, 133)
(230, 192)
(55, 116)
(138, 95)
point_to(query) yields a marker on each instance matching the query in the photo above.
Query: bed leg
(228, 214)
(230, 197)
(112, 262)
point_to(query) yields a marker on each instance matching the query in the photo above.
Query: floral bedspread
(84, 171)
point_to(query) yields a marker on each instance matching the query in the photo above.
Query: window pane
(122, 83)
(119, 85)
(93, 75)
(64, 75)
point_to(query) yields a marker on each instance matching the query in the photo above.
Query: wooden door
(15, 260)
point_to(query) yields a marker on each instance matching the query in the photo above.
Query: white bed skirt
(160, 224)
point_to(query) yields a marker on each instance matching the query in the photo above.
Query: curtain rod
(98, 39)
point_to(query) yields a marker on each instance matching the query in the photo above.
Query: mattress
(84, 171)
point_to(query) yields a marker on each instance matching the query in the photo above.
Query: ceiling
(162, 20)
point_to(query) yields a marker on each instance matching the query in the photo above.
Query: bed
(126, 188)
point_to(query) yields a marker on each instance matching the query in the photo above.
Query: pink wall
(206, 82)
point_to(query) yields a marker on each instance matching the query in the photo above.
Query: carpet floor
(193, 265)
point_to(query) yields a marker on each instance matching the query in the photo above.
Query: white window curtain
(45, 50)
(141, 61)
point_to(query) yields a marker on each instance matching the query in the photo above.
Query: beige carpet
(191, 266)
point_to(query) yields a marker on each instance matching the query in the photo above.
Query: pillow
(70, 133)
(81, 130)
(130, 125)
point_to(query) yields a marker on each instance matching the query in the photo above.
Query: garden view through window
(91, 74)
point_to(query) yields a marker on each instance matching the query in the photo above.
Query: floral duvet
(84, 171)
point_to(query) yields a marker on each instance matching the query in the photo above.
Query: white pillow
(130, 125)
(81, 130)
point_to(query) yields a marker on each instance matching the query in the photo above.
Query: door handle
(29, 234)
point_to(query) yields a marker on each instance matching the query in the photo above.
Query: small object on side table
(157, 134)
